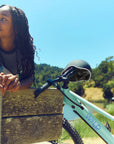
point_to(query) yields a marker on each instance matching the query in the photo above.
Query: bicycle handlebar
(42, 88)
(49, 83)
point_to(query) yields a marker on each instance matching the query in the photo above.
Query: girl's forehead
(5, 10)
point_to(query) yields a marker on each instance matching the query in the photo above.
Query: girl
(16, 50)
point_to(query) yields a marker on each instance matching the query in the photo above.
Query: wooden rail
(26, 120)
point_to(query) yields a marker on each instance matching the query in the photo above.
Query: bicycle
(79, 70)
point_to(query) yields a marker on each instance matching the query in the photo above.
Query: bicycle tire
(72, 132)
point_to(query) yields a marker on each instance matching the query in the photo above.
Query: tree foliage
(107, 92)
(104, 72)
(103, 76)
(44, 72)
(77, 87)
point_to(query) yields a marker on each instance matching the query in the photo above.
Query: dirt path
(88, 141)
(85, 140)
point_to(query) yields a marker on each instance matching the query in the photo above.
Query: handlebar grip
(41, 89)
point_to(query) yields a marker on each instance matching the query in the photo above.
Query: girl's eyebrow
(5, 14)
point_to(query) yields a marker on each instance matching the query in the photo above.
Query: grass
(94, 94)
(85, 131)
(110, 108)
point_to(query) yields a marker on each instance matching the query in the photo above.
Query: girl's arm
(26, 83)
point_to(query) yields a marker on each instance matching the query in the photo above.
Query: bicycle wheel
(74, 136)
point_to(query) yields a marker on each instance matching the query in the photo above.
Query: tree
(77, 87)
(107, 92)
(104, 72)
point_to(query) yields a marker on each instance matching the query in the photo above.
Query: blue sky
(65, 30)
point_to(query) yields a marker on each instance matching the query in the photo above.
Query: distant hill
(44, 72)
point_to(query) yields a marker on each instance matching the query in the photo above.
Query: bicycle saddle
(77, 70)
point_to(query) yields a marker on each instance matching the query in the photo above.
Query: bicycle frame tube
(74, 101)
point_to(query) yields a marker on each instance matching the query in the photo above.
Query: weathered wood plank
(26, 120)
(23, 103)
(31, 130)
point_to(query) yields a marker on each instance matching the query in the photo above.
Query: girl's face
(6, 25)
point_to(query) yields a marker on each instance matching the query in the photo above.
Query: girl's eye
(2, 19)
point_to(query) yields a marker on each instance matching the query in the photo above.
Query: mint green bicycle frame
(75, 102)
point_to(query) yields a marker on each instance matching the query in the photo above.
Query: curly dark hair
(23, 42)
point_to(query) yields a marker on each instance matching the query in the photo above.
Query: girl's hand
(1, 86)
(14, 85)
(9, 82)
(7, 79)
(1, 78)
